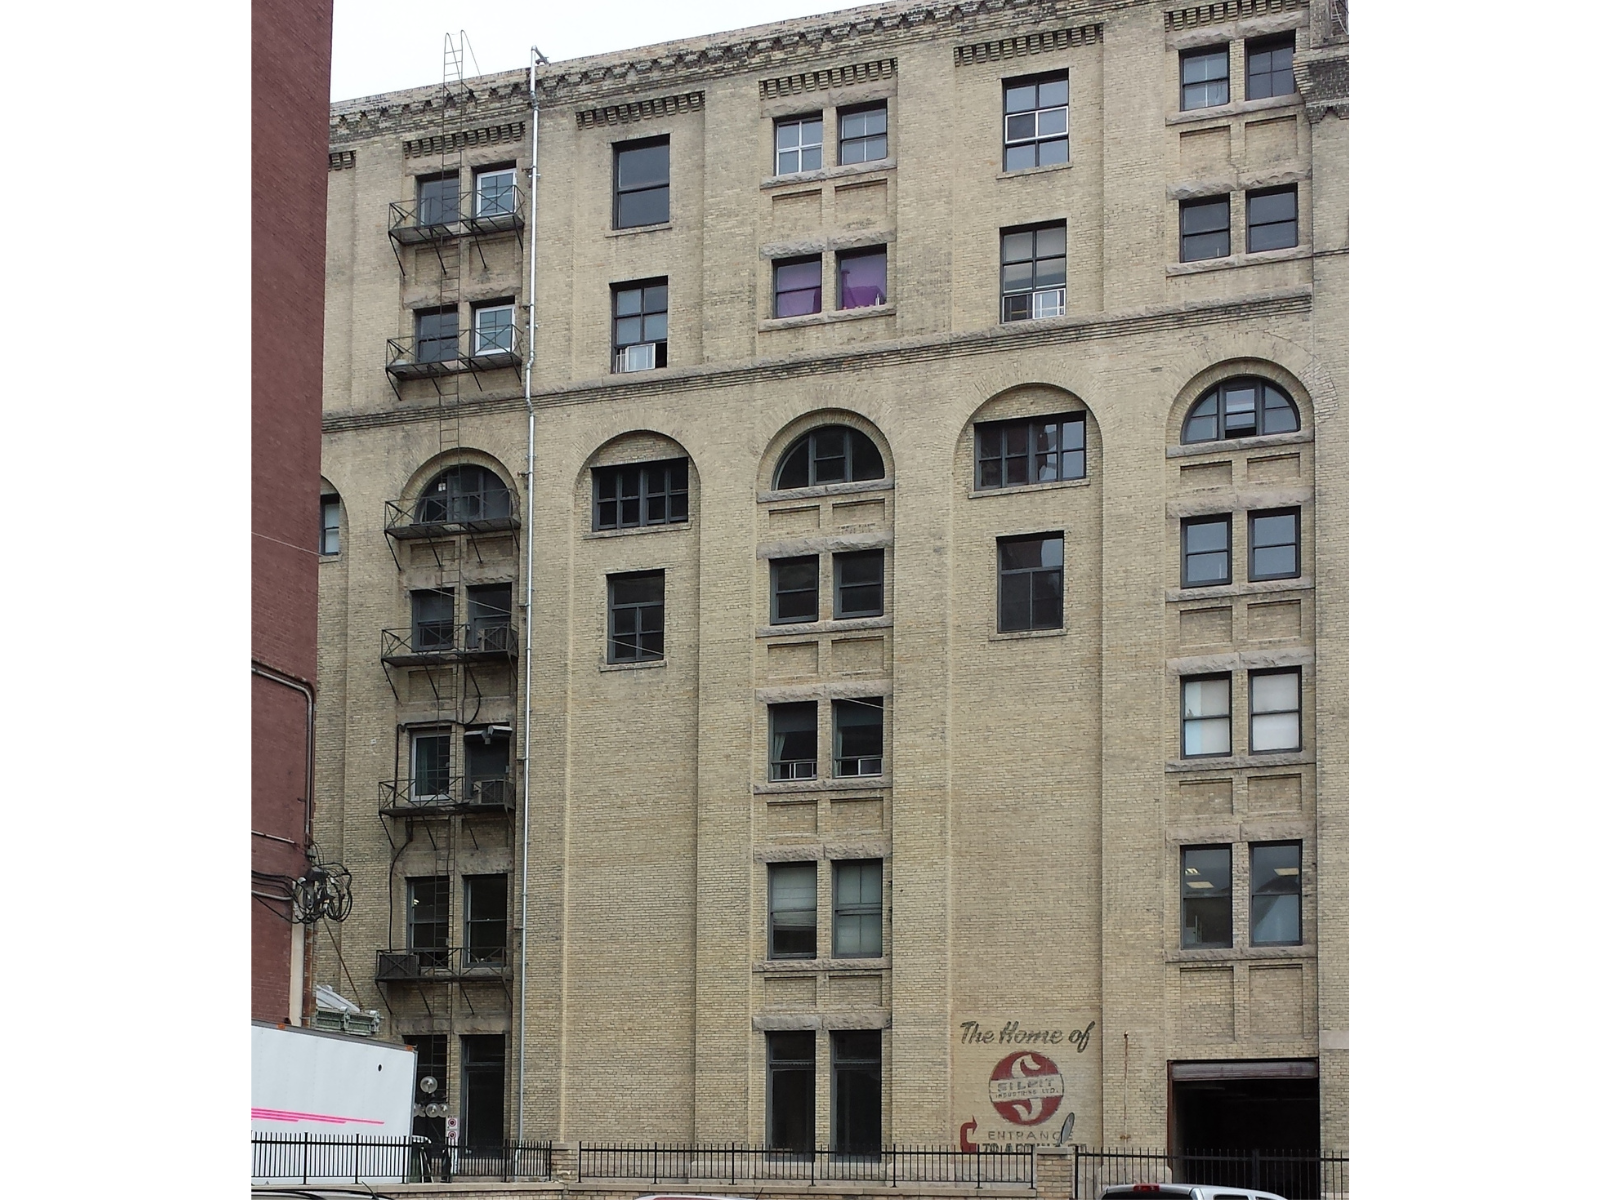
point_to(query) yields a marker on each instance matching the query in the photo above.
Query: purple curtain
(863, 280)
(799, 288)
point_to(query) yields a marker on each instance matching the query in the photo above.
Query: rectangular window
(793, 740)
(636, 617)
(488, 765)
(798, 143)
(1030, 582)
(863, 278)
(433, 621)
(791, 1091)
(1269, 67)
(495, 192)
(642, 177)
(1275, 894)
(1031, 450)
(437, 334)
(1207, 551)
(1036, 122)
(858, 584)
(1207, 716)
(863, 134)
(858, 908)
(792, 910)
(431, 1049)
(486, 919)
(483, 1091)
(1274, 710)
(639, 325)
(1033, 272)
(1275, 544)
(489, 617)
(1206, 899)
(857, 1091)
(328, 540)
(438, 199)
(797, 286)
(1273, 220)
(795, 582)
(1203, 229)
(1204, 75)
(430, 768)
(639, 494)
(428, 920)
(858, 737)
(493, 328)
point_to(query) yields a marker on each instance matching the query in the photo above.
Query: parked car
(1190, 1191)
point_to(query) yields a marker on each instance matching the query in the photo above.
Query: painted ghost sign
(1023, 1078)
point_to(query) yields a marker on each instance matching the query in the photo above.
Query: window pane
(1277, 731)
(1207, 735)
(642, 166)
(1275, 693)
(642, 208)
(1016, 247)
(1021, 98)
(1206, 697)
(863, 279)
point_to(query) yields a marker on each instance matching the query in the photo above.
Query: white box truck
(328, 1107)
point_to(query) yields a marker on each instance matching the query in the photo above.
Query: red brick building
(291, 47)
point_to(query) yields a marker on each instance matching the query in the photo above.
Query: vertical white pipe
(535, 58)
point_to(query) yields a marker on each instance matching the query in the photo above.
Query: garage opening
(1247, 1125)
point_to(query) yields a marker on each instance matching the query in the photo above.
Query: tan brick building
(929, 721)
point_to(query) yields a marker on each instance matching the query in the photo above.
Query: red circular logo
(1026, 1088)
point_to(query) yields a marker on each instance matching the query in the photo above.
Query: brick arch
(1025, 400)
(1229, 368)
(462, 456)
(797, 428)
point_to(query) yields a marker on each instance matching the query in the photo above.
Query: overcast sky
(385, 45)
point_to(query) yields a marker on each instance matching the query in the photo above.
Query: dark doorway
(791, 1091)
(858, 1092)
(1233, 1128)
(483, 1087)
(431, 1051)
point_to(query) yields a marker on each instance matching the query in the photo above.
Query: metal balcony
(468, 352)
(443, 964)
(436, 516)
(439, 641)
(439, 219)
(442, 797)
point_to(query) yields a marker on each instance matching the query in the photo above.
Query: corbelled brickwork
(1034, 801)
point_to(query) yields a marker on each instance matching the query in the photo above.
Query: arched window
(1244, 407)
(465, 493)
(830, 454)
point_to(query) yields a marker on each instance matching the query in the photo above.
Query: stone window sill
(1288, 254)
(831, 317)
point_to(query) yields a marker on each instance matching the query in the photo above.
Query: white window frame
(416, 736)
(477, 191)
(477, 328)
(799, 148)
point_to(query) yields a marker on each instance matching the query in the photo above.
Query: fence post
(358, 1159)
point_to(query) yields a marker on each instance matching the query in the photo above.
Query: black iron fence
(303, 1158)
(1297, 1175)
(443, 962)
(445, 639)
(890, 1166)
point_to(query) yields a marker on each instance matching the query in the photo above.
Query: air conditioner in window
(490, 791)
(1052, 303)
(399, 966)
(494, 638)
(637, 358)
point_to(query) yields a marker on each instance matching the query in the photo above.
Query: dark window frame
(433, 619)
(618, 190)
(866, 912)
(433, 950)
(466, 492)
(480, 947)
(1255, 543)
(1213, 893)
(646, 290)
(638, 642)
(779, 1068)
(796, 870)
(777, 592)
(844, 559)
(1298, 709)
(1205, 97)
(1017, 573)
(329, 545)
(779, 291)
(1193, 243)
(1185, 578)
(1259, 893)
(1011, 312)
(436, 344)
(855, 1063)
(1255, 197)
(1226, 718)
(848, 141)
(1030, 428)
(860, 253)
(610, 482)
(1219, 416)
(788, 770)
(1034, 141)
(806, 443)
(438, 204)
(860, 765)
(1262, 84)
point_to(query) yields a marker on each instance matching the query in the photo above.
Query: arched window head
(1243, 407)
(830, 454)
(464, 493)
